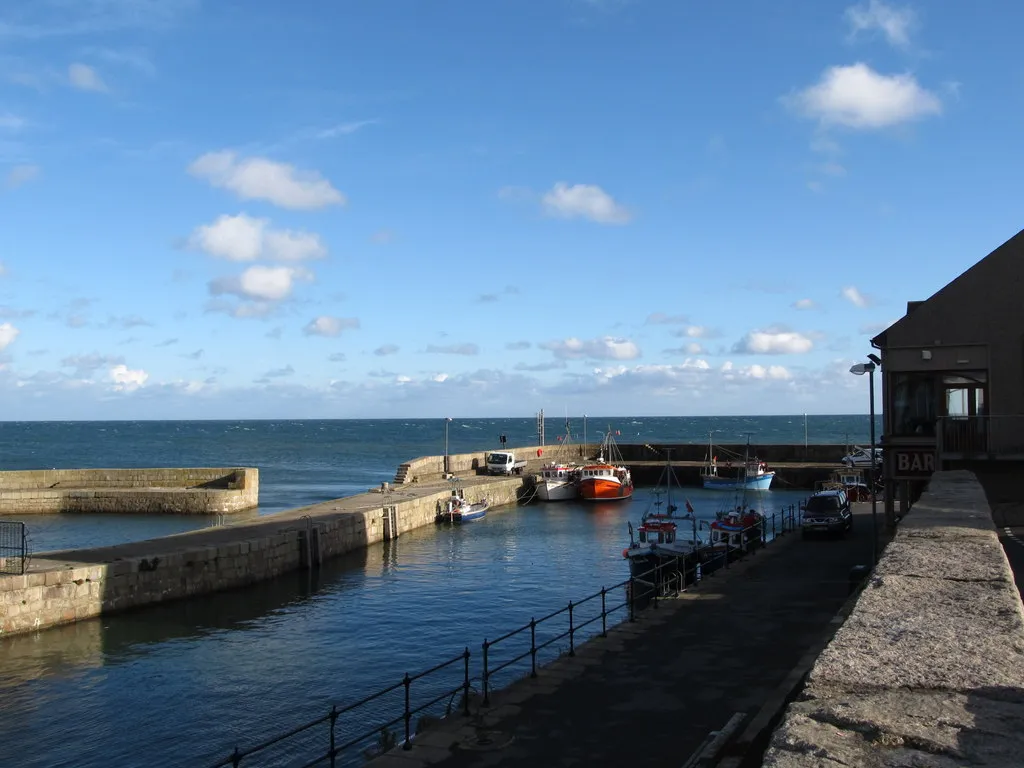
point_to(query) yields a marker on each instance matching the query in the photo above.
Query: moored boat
(457, 510)
(735, 533)
(556, 480)
(605, 480)
(848, 479)
(658, 558)
(747, 474)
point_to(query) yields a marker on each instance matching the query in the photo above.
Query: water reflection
(238, 665)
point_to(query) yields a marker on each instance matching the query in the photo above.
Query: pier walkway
(651, 692)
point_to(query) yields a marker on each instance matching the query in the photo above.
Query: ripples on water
(180, 684)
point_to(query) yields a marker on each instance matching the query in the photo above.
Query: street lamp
(860, 369)
(447, 421)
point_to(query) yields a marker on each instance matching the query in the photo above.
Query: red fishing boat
(605, 480)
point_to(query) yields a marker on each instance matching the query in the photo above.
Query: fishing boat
(847, 479)
(730, 475)
(457, 510)
(605, 480)
(658, 558)
(736, 532)
(556, 480)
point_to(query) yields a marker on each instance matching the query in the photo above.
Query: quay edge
(172, 490)
(66, 586)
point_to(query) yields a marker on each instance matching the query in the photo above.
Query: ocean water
(306, 462)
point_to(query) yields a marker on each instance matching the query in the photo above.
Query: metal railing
(673, 576)
(996, 435)
(13, 548)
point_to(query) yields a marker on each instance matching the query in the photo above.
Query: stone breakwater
(191, 491)
(66, 586)
(928, 669)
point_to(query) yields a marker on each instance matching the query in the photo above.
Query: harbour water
(306, 462)
(181, 684)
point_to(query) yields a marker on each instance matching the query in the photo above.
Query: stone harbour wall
(200, 490)
(78, 584)
(928, 669)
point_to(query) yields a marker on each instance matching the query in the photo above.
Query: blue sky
(396, 208)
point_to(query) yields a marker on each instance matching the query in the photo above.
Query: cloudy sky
(392, 208)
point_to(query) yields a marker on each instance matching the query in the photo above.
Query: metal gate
(13, 548)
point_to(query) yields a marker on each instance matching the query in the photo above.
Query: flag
(689, 507)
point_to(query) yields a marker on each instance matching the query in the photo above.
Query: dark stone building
(953, 376)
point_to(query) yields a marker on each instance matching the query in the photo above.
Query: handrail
(663, 574)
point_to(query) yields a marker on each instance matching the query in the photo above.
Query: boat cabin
(557, 473)
(657, 533)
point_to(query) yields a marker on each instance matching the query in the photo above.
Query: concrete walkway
(650, 693)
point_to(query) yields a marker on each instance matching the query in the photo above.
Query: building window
(913, 404)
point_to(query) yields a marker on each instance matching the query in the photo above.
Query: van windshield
(823, 504)
(497, 458)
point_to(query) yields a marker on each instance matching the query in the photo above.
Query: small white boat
(457, 510)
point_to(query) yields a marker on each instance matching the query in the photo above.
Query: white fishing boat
(557, 478)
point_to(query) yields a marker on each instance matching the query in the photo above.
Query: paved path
(650, 693)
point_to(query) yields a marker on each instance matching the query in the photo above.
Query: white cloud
(853, 295)
(693, 348)
(257, 178)
(661, 318)
(127, 380)
(260, 283)
(585, 201)
(856, 96)
(875, 16)
(325, 325)
(344, 129)
(605, 348)
(85, 78)
(21, 174)
(439, 377)
(697, 332)
(246, 238)
(453, 349)
(804, 304)
(8, 333)
(773, 342)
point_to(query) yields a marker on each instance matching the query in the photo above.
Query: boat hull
(759, 483)
(464, 514)
(600, 489)
(552, 490)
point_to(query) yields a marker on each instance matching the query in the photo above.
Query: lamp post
(860, 369)
(447, 421)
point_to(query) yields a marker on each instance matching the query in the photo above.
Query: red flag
(689, 507)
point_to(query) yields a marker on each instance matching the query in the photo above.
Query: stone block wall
(928, 669)
(79, 584)
(202, 490)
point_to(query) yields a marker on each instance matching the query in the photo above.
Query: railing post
(604, 615)
(465, 683)
(236, 758)
(572, 633)
(773, 522)
(632, 596)
(407, 715)
(487, 699)
(657, 582)
(533, 647)
(334, 720)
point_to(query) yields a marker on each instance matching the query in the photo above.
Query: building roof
(977, 287)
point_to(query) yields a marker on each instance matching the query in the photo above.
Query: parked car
(827, 512)
(861, 457)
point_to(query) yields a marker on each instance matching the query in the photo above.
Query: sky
(253, 209)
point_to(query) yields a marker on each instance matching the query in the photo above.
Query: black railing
(672, 576)
(13, 548)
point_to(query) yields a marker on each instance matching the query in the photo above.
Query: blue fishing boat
(457, 510)
(748, 473)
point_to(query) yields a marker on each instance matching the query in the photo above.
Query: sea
(182, 684)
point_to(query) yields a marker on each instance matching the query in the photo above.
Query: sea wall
(77, 584)
(928, 669)
(200, 490)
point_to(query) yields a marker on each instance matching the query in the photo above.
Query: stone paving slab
(724, 649)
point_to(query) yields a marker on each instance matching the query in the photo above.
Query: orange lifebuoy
(625, 552)
(540, 451)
